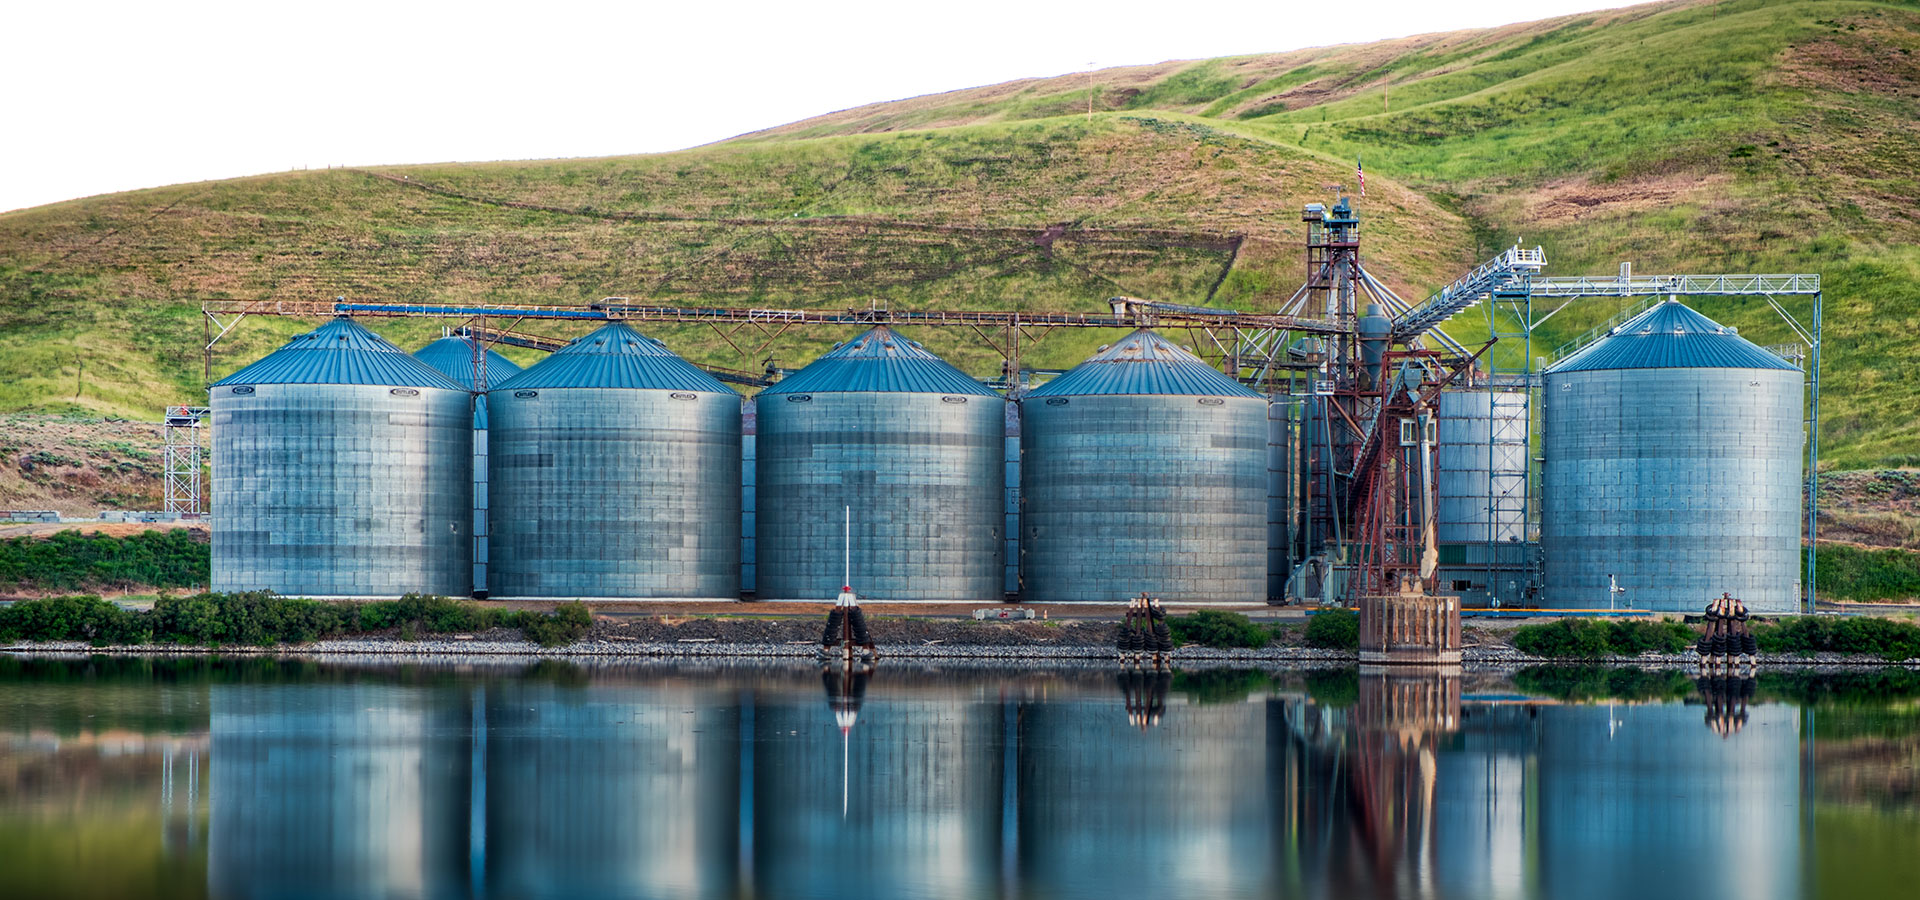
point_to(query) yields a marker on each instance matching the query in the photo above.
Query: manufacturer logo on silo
(799, 398)
(526, 395)
(243, 389)
(1056, 401)
(682, 395)
(953, 399)
(1211, 401)
(404, 392)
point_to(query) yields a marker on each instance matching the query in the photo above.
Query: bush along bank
(1222, 630)
(1589, 639)
(264, 619)
(1888, 639)
(70, 560)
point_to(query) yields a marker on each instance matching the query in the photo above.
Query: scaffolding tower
(184, 458)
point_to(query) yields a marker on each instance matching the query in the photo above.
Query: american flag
(1361, 175)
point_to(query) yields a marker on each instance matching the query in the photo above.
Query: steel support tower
(182, 459)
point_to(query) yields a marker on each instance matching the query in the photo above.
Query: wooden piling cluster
(1728, 645)
(1144, 636)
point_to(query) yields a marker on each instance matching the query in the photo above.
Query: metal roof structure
(1670, 336)
(453, 356)
(615, 356)
(341, 352)
(1144, 363)
(880, 361)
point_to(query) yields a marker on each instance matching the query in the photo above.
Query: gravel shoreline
(447, 647)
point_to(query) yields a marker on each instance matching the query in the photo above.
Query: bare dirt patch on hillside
(79, 466)
(1572, 199)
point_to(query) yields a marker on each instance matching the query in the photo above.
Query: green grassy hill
(1683, 136)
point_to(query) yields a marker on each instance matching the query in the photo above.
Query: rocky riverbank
(993, 646)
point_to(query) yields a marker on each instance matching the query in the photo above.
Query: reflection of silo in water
(922, 806)
(1640, 795)
(336, 790)
(601, 792)
(1484, 829)
(1107, 810)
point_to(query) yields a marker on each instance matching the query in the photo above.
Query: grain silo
(1144, 469)
(1673, 465)
(912, 445)
(1481, 494)
(456, 358)
(340, 470)
(616, 475)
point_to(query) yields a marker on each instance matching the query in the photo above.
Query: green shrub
(262, 618)
(429, 614)
(1632, 637)
(1885, 638)
(69, 560)
(1217, 628)
(1566, 639)
(1590, 639)
(567, 623)
(1334, 630)
(80, 618)
(254, 618)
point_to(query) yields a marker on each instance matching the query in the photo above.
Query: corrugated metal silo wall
(1481, 485)
(615, 493)
(1681, 483)
(749, 479)
(332, 490)
(1010, 528)
(923, 474)
(480, 469)
(1282, 429)
(1131, 493)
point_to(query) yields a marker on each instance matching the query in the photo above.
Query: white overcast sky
(109, 96)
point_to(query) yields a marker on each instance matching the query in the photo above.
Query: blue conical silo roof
(341, 352)
(1670, 336)
(880, 361)
(1144, 363)
(453, 356)
(615, 356)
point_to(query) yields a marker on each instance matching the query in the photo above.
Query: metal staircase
(1510, 272)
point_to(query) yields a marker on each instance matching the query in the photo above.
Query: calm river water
(264, 778)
